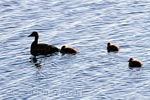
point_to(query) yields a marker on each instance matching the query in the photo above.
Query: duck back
(112, 48)
(135, 64)
(43, 49)
(67, 50)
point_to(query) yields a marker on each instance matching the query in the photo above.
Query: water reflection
(36, 61)
(135, 68)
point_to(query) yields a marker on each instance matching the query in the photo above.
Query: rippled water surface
(86, 25)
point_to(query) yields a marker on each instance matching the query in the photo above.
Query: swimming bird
(41, 49)
(67, 50)
(134, 63)
(112, 47)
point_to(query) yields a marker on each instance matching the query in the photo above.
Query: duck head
(63, 47)
(130, 60)
(108, 44)
(34, 34)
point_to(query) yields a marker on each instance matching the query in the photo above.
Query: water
(87, 26)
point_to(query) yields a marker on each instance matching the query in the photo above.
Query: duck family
(44, 49)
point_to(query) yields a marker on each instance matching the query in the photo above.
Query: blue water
(87, 26)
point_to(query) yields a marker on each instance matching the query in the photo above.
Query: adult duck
(112, 47)
(41, 49)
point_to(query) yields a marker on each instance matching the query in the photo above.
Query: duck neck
(35, 42)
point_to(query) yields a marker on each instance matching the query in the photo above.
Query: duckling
(41, 49)
(112, 47)
(67, 50)
(134, 63)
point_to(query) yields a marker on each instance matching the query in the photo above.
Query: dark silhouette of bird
(67, 50)
(112, 47)
(134, 63)
(41, 49)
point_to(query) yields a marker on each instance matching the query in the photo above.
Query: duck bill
(30, 36)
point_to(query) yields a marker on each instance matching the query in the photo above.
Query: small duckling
(134, 63)
(67, 50)
(112, 47)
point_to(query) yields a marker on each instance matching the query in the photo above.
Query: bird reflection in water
(36, 62)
